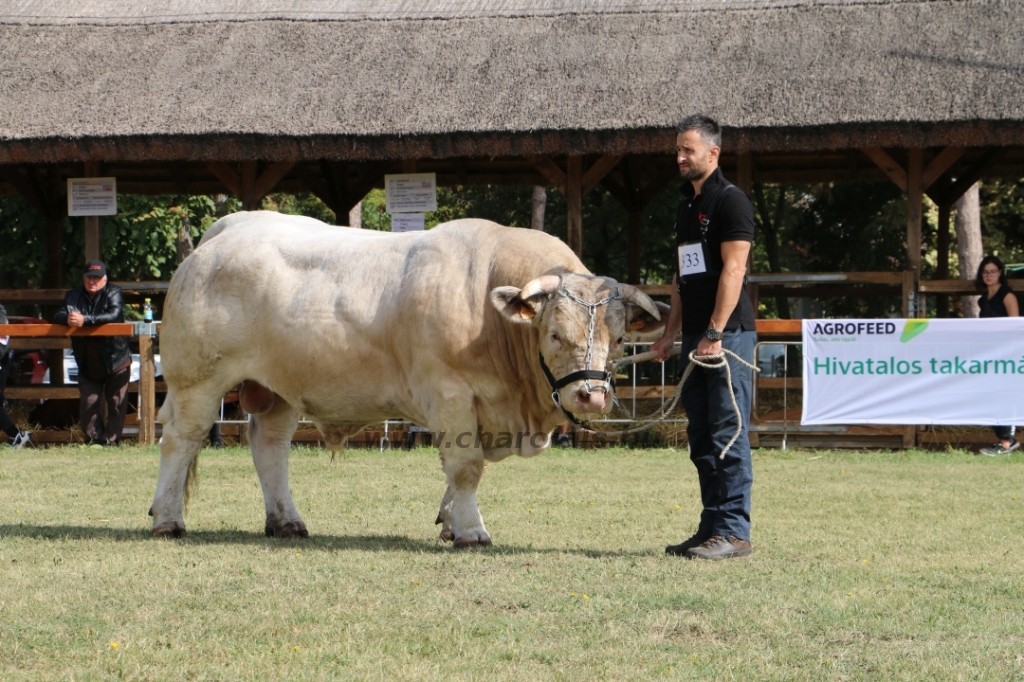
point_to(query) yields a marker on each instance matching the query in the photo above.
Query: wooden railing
(57, 337)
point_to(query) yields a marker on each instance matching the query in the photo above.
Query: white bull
(447, 328)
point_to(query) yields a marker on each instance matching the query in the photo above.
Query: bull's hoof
(447, 535)
(471, 543)
(169, 530)
(287, 530)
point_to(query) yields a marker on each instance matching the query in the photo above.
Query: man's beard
(695, 173)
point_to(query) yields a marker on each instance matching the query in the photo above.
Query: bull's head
(582, 322)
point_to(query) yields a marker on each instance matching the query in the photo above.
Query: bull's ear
(642, 326)
(511, 306)
(522, 305)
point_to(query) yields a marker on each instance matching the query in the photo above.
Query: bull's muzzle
(596, 400)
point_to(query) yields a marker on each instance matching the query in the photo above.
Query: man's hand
(708, 347)
(75, 319)
(663, 346)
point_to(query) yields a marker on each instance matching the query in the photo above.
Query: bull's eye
(619, 341)
(555, 338)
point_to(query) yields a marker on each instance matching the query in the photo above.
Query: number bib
(692, 260)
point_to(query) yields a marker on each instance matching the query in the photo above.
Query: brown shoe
(718, 547)
(686, 545)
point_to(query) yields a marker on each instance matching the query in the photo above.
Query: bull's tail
(191, 480)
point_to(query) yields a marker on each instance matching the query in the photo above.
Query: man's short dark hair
(705, 126)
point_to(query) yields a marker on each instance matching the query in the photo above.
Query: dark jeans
(114, 390)
(1004, 432)
(724, 483)
(6, 425)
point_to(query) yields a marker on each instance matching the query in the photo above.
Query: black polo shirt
(731, 220)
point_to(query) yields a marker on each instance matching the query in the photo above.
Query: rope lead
(707, 362)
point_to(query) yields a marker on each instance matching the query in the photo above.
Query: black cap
(95, 268)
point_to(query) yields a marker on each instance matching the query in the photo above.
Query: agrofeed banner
(940, 371)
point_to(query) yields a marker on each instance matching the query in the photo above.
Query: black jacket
(107, 307)
(4, 347)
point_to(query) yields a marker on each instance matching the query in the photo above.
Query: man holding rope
(714, 232)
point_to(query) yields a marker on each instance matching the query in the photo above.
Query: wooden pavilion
(327, 96)
(212, 96)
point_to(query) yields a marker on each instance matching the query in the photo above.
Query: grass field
(873, 566)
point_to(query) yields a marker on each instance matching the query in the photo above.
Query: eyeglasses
(990, 272)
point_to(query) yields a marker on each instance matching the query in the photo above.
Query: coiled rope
(717, 361)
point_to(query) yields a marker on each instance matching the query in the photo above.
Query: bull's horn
(547, 284)
(631, 294)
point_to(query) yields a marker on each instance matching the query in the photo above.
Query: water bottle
(147, 311)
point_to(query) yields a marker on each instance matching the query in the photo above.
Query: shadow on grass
(365, 543)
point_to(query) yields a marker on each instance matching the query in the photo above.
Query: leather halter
(578, 375)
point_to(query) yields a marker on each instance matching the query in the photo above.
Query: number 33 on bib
(691, 259)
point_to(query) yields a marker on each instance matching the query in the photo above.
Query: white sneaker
(21, 439)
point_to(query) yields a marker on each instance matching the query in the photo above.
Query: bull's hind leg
(270, 435)
(444, 515)
(186, 417)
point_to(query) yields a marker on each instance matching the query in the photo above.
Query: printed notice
(92, 196)
(407, 222)
(411, 192)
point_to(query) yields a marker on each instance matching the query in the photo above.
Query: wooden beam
(658, 185)
(371, 175)
(966, 180)
(915, 190)
(550, 170)
(93, 235)
(272, 175)
(147, 391)
(59, 330)
(940, 164)
(888, 165)
(227, 175)
(600, 169)
(574, 199)
(745, 173)
(317, 186)
(408, 165)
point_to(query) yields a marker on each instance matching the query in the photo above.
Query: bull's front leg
(463, 470)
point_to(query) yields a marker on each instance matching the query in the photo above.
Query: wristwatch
(713, 334)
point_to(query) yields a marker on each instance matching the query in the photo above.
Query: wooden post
(574, 199)
(909, 295)
(633, 235)
(93, 235)
(250, 202)
(942, 264)
(915, 190)
(147, 390)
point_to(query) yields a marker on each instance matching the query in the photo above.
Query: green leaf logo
(913, 328)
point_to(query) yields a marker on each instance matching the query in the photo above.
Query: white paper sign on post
(937, 371)
(407, 222)
(410, 193)
(92, 196)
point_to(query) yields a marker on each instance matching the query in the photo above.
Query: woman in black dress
(997, 300)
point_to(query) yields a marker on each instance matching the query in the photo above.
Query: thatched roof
(369, 70)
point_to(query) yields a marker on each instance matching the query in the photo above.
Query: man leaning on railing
(104, 363)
